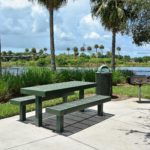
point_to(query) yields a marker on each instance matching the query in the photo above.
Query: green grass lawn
(127, 90)
(8, 110)
(132, 91)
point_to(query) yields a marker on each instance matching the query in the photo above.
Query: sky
(26, 25)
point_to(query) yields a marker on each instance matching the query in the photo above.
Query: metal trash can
(104, 81)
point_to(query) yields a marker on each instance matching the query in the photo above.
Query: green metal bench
(65, 108)
(23, 101)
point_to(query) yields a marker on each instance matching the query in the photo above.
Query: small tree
(33, 51)
(101, 47)
(26, 51)
(82, 49)
(89, 49)
(4, 53)
(98, 55)
(76, 53)
(118, 49)
(96, 47)
(45, 49)
(68, 50)
(10, 53)
(41, 52)
(109, 54)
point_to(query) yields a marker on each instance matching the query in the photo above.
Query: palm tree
(3, 53)
(82, 49)
(45, 49)
(51, 5)
(113, 16)
(89, 48)
(118, 49)
(68, 49)
(101, 47)
(26, 51)
(33, 51)
(41, 51)
(96, 47)
(76, 53)
(9, 53)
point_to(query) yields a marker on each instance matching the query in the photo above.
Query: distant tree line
(28, 54)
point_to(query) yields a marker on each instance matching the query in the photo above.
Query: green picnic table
(49, 90)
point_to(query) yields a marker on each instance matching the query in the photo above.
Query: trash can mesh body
(104, 81)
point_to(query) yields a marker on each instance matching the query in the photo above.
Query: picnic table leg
(140, 92)
(65, 99)
(81, 95)
(100, 110)
(38, 103)
(60, 124)
(22, 112)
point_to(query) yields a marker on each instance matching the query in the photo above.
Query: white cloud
(15, 4)
(107, 36)
(39, 17)
(92, 35)
(66, 36)
(89, 22)
(37, 9)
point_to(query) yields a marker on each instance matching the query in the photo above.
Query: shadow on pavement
(73, 122)
(143, 102)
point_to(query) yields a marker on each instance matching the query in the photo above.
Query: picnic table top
(57, 88)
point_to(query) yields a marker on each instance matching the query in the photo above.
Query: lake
(136, 70)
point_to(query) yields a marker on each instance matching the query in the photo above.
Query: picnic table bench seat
(65, 108)
(22, 102)
(25, 100)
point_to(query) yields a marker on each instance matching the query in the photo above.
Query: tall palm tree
(96, 47)
(26, 50)
(41, 52)
(118, 49)
(51, 5)
(82, 49)
(34, 52)
(101, 47)
(76, 51)
(45, 49)
(113, 16)
(89, 48)
(68, 50)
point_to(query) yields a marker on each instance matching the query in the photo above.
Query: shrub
(42, 62)
(89, 75)
(4, 95)
(117, 77)
(36, 76)
(127, 73)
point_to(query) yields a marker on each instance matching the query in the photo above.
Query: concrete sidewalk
(125, 126)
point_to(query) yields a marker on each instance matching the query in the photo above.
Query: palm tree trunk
(113, 63)
(52, 44)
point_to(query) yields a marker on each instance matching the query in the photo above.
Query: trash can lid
(103, 69)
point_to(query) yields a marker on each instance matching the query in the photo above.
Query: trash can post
(104, 81)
